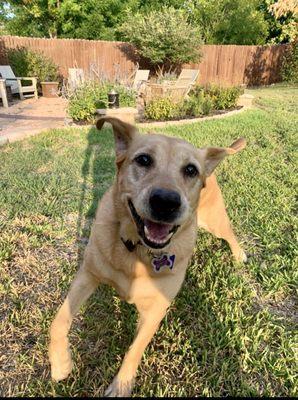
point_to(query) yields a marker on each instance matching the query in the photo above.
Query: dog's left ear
(214, 155)
(123, 135)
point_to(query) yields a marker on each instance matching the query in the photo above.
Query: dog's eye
(190, 170)
(145, 160)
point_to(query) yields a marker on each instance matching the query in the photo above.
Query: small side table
(126, 114)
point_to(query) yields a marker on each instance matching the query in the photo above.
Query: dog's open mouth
(154, 234)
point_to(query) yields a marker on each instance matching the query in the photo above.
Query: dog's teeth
(152, 239)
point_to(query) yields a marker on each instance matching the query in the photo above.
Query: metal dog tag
(164, 260)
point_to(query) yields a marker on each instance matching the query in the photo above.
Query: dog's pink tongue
(157, 231)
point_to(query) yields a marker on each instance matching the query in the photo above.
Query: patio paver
(29, 117)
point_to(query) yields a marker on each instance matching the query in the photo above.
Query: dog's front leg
(82, 287)
(149, 320)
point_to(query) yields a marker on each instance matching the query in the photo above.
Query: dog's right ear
(214, 155)
(123, 135)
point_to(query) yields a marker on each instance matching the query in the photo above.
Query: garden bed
(191, 120)
(201, 101)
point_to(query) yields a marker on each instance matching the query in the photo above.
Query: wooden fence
(222, 64)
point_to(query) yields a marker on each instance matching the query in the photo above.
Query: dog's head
(160, 179)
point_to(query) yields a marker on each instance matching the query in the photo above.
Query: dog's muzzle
(154, 234)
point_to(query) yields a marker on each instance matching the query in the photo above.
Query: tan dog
(144, 235)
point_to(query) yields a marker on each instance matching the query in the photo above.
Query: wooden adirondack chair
(176, 89)
(16, 83)
(141, 76)
(187, 77)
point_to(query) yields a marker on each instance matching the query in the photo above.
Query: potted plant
(49, 78)
(26, 62)
(49, 87)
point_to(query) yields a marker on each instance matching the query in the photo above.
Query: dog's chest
(141, 270)
(145, 283)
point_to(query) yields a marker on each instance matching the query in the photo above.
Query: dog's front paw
(240, 256)
(61, 363)
(120, 388)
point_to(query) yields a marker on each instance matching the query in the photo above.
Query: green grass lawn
(232, 329)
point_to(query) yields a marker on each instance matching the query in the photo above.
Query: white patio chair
(16, 83)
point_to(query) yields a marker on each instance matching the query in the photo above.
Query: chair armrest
(169, 83)
(2, 83)
(180, 87)
(156, 85)
(21, 78)
(26, 78)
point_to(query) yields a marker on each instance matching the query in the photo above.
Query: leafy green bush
(289, 71)
(207, 105)
(162, 109)
(200, 101)
(127, 96)
(91, 95)
(164, 36)
(225, 98)
(222, 98)
(25, 62)
(192, 106)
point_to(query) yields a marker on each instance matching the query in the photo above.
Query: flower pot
(49, 89)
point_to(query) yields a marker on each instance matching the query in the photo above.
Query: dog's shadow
(105, 326)
(104, 329)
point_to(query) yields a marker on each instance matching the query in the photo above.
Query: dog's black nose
(164, 204)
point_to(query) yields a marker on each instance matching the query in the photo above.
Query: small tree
(163, 37)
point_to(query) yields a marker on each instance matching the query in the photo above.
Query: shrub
(289, 71)
(207, 105)
(201, 101)
(127, 96)
(163, 108)
(192, 106)
(222, 98)
(25, 62)
(91, 95)
(163, 36)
